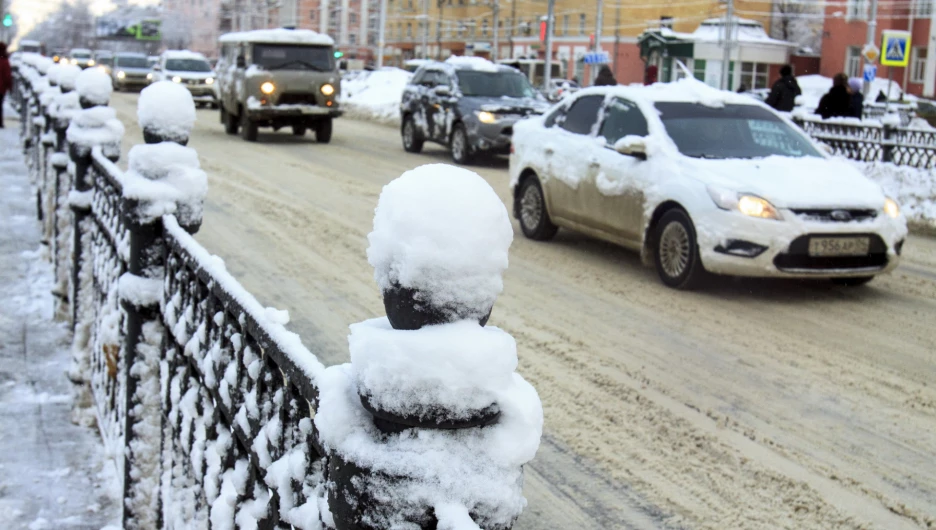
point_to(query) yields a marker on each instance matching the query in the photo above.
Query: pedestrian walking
(837, 101)
(784, 91)
(650, 74)
(856, 104)
(6, 77)
(605, 77)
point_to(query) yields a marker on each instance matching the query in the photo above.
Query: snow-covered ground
(914, 189)
(53, 474)
(375, 95)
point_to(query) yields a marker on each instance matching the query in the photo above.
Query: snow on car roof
(183, 54)
(279, 35)
(472, 63)
(685, 90)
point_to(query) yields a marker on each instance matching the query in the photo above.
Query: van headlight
(209, 80)
(91, 62)
(74, 61)
(749, 205)
(267, 88)
(891, 208)
(328, 89)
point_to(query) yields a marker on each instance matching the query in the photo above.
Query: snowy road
(751, 404)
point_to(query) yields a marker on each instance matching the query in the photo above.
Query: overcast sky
(28, 13)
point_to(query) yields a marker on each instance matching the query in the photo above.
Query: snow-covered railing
(903, 146)
(217, 415)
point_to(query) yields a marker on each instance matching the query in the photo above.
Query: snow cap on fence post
(166, 113)
(67, 76)
(166, 178)
(429, 425)
(94, 88)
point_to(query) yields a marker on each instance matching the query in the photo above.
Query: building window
(565, 25)
(484, 28)
(582, 24)
(352, 18)
(754, 75)
(918, 65)
(853, 61)
(922, 8)
(857, 10)
(352, 39)
(698, 69)
(409, 30)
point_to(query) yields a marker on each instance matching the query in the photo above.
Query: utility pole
(365, 25)
(726, 51)
(513, 27)
(599, 19)
(496, 45)
(343, 23)
(869, 42)
(382, 33)
(324, 17)
(425, 32)
(547, 70)
(929, 73)
(441, 5)
(617, 34)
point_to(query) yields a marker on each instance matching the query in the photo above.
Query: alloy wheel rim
(531, 207)
(674, 249)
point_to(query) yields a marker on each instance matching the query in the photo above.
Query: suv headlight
(891, 208)
(747, 204)
(176, 79)
(209, 80)
(121, 74)
(486, 117)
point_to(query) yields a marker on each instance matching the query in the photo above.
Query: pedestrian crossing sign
(896, 47)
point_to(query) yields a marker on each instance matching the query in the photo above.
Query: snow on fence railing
(211, 408)
(864, 142)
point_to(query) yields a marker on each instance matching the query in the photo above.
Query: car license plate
(839, 246)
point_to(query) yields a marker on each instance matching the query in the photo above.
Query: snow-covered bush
(430, 426)
(166, 112)
(94, 87)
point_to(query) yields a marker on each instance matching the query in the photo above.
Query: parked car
(104, 61)
(700, 180)
(81, 57)
(130, 71)
(58, 55)
(191, 70)
(279, 78)
(468, 105)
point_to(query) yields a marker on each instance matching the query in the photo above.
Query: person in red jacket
(6, 77)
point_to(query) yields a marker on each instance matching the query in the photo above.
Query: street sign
(896, 46)
(870, 72)
(596, 58)
(871, 52)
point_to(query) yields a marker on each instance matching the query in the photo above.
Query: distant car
(104, 61)
(466, 104)
(152, 60)
(31, 46)
(191, 70)
(81, 57)
(559, 88)
(700, 180)
(130, 71)
(58, 55)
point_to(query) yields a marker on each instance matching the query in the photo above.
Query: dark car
(469, 106)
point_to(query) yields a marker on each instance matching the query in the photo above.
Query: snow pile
(377, 95)
(167, 110)
(442, 231)
(913, 189)
(475, 63)
(95, 126)
(166, 178)
(68, 76)
(94, 86)
(280, 35)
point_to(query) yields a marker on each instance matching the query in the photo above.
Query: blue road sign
(596, 58)
(870, 72)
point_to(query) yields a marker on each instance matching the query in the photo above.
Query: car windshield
(188, 65)
(133, 62)
(109, 61)
(494, 84)
(81, 55)
(293, 57)
(732, 131)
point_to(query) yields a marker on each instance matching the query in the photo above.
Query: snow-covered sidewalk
(52, 472)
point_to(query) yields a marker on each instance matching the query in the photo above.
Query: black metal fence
(903, 146)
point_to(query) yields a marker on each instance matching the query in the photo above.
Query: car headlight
(750, 205)
(891, 208)
(149, 77)
(486, 117)
(74, 61)
(209, 80)
(121, 74)
(91, 62)
(267, 88)
(176, 79)
(328, 89)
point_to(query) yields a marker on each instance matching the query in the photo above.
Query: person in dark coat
(837, 101)
(856, 105)
(6, 77)
(650, 74)
(784, 91)
(605, 77)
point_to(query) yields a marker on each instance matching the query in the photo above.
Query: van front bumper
(273, 112)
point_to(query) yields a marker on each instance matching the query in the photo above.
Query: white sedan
(700, 180)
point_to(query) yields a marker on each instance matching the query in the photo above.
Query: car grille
(297, 99)
(194, 81)
(798, 255)
(837, 215)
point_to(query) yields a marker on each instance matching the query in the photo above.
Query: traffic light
(7, 20)
(339, 54)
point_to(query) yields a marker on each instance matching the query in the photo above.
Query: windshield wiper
(297, 61)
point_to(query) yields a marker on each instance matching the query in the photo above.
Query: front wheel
(852, 282)
(248, 128)
(323, 131)
(461, 149)
(534, 219)
(677, 252)
(412, 142)
(230, 122)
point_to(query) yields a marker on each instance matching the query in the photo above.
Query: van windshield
(293, 57)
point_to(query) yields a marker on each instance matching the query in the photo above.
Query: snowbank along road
(750, 404)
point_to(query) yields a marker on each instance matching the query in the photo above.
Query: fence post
(430, 379)
(140, 291)
(887, 145)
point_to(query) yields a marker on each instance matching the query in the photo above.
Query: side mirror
(442, 90)
(241, 62)
(635, 146)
